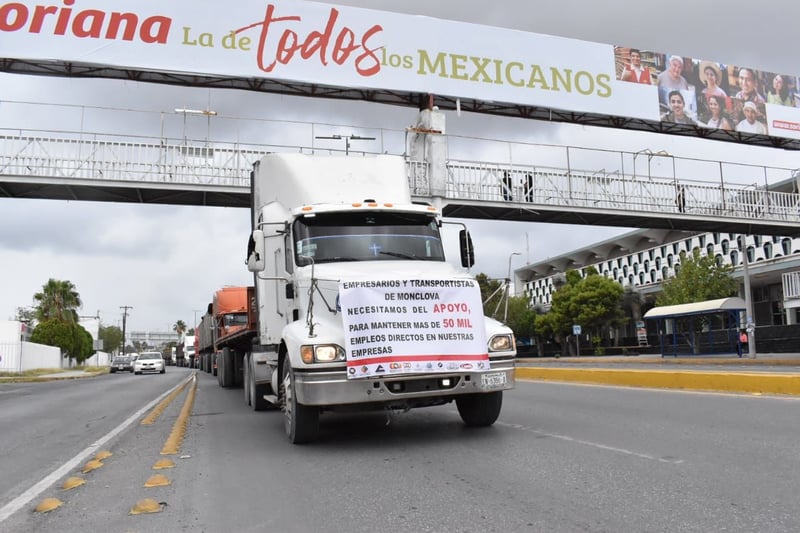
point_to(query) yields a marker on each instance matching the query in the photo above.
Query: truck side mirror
(467, 251)
(255, 252)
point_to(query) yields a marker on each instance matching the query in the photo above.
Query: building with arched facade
(642, 259)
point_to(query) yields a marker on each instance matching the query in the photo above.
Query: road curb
(758, 383)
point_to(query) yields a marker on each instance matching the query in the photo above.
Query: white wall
(35, 356)
(18, 356)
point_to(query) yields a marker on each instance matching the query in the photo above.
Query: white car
(149, 362)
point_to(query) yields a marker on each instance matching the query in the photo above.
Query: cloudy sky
(166, 261)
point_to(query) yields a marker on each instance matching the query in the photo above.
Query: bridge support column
(429, 145)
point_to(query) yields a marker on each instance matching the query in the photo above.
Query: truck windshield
(235, 319)
(366, 236)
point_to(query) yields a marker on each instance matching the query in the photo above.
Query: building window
(734, 257)
(757, 240)
(669, 260)
(653, 276)
(710, 249)
(641, 277)
(786, 244)
(651, 253)
(720, 260)
(751, 254)
(716, 238)
(768, 250)
(676, 247)
(725, 246)
(702, 239)
(688, 244)
(664, 273)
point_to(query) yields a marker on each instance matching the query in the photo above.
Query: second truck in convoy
(227, 328)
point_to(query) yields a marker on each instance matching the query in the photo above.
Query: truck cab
(357, 306)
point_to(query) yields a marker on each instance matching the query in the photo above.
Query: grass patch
(31, 373)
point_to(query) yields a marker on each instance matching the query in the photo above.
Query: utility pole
(124, 320)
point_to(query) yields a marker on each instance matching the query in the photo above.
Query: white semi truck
(357, 307)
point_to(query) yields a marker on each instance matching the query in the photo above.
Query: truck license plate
(494, 380)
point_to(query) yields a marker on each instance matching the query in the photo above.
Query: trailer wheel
(480, 410)
(301, 422)
(227, 370)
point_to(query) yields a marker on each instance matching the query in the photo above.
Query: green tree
(521, 316)
(698, 279)
(58, 301)
(73, 340)
(26, 315)
(593, 302)
(491, 296)
(111, 337)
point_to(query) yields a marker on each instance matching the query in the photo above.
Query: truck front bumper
(332, 387)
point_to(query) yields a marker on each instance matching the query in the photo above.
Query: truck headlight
(501, 343)
(321, 353)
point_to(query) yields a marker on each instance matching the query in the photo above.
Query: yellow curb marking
(743, 382)
(148, 505)
(164, 463)
(48, 504)
(94, 464)
(73, 482)
(104, 454)
(157, 480)
(173, 442)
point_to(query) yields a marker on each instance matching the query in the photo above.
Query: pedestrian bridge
(579, 186)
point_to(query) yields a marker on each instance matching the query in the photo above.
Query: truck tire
(247, 372)
(480, 410)
(254, 394)
(227, 370)
(301, 422)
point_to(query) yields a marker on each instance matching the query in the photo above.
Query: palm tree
(179, 327)
(58, 301)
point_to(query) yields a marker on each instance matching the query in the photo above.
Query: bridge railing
(84, 157)
(538, 185)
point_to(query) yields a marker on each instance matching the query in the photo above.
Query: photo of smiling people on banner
(681, 109)
(781, 91)
(633, 65)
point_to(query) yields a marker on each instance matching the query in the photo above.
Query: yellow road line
(173, 443)
(158, 409)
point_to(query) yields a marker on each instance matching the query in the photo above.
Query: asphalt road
(562, 457)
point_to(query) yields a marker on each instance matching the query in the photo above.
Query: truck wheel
(479, 410)
(254, 394)
(247, 373)
(301, 422)
(228, 368)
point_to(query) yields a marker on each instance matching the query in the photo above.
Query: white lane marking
(23, 499)
(593, 444)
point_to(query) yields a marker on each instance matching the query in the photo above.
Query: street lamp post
(508, 285)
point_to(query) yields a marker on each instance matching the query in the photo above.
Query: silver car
(149, 362)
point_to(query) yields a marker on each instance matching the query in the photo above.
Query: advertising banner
(307, 42)
(412, 326)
